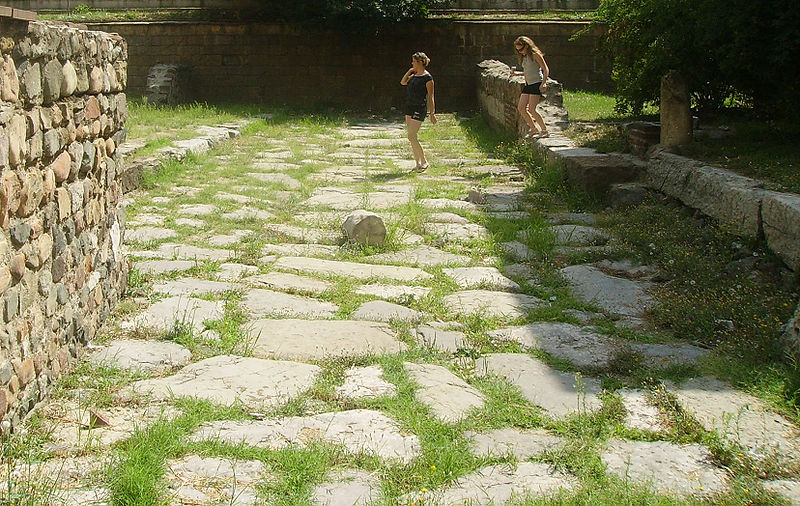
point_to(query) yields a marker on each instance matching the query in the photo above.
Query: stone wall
(68, 5)
(62, 114)
(285, 64)
(525, 5)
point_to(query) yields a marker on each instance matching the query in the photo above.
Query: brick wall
(62, 115)
(285, 64)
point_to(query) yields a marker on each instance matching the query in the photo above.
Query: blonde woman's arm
(431, 102)
(545, 71)
(407, 76)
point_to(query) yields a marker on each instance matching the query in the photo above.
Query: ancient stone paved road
(294, 329)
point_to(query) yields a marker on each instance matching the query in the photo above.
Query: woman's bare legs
(413, 127)
(527, 108)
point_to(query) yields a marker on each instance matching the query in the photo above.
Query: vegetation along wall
(288, 64)
(62, 114)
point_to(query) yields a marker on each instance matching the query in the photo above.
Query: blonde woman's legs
(413, 127)
(535, 115)
(524, 111)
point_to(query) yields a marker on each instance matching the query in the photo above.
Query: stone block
(594, 173)
(52, 79)
(780, 214)
(728, 197)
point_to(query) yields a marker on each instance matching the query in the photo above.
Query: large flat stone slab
(456, 231)
(639, 412)
(788, 489)
(781, 222)
(165, 314)
(394, 292)
(343, 199)
(212, 480)
(615, 296)
(579, 235)
(740, 418)
(292, 233)
(141, 355)
(185, 252)
(359, 431)
(578, 345)
(351, 269)
(228, 379)
(304, 250)
(382, 311)
(144, 234)
(449, 397)
(286, 282)
(193, 286)
(448, 204)
(486, 277)
(349, 487)
(666, 355)
(497, 484)
(491, 303)
(163, 266)
(558, 393)
(666, 467)
(449, 341)
(521, 444)
(364, 383)
(262, 302)
(423, 256)
(322, 339)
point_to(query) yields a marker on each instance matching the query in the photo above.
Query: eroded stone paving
(249, 258)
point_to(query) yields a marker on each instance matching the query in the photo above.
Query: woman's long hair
(527, 42)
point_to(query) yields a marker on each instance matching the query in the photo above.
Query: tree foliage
(349, 14)
(726, 48)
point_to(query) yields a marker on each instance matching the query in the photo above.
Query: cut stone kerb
(364, 227)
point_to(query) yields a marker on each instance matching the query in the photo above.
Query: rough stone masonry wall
(62, 115)
(287, 64)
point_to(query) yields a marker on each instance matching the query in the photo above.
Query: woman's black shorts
(532, 89)
(417, 113)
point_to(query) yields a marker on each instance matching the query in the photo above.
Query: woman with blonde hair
(536, 71)
(419, 103)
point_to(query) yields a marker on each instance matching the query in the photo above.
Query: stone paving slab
(449, 341)
(212, 480)
(455, 231)
(578, 345)
(558, 393)
(365, 383)
(640, 413)
(165, 314)
(566, 218)
(235, 272)
(740, 418)
(294, 233)
(347, 487)
(248, 213)
(351, 269)
(343, 199)
(261, 302)
(448, 204)
(497, 484)
(666, 467)
(422, 256)
(359, 431)
(322, 339)
(144, 234)
(447, 218)
(394, 292)
(579, 235)
(184, 252)
(320, 250)
(289, 282)
(449, 397)
(788, 489)
(521, 444)
(616, 296)
(197, 209)
(276, 178)
(69, 481)
(491, 303)
(140, 355)
(518, 251)
(228, 379)
(193, 286)
(163, 266)
(72, 430)
(382, 311)
(489, 277)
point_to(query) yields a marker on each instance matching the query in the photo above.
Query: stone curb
(212, 136)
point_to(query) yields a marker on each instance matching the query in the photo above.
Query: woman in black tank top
(419, 103)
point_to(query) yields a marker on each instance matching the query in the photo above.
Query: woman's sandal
(421, 168)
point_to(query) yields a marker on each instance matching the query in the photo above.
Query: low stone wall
(525, 5)
(62, 115)
(68, 5)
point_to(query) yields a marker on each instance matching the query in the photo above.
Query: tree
(726, 48)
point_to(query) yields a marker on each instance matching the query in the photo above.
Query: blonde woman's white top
(533, 73)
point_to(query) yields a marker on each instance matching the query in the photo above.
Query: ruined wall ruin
(62, 114)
